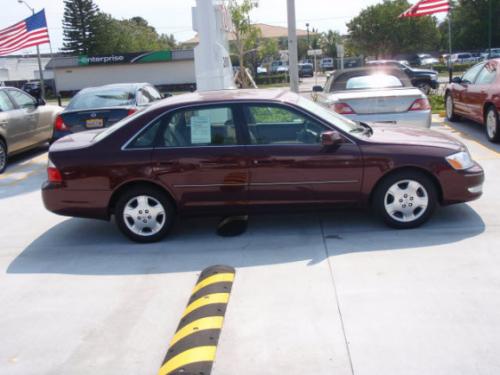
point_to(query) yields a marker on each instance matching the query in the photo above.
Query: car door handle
(262, 162)
(3, 123)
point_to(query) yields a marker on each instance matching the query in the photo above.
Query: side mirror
(317, 89)
(456, 80)
(331, 138)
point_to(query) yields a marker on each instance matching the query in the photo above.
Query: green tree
(329, 41)
(132, 35)
(377, 31)
(79, 26)
(246, 35)
(469, 20)
(268, 49)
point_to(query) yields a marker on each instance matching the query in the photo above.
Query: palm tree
(329, 41)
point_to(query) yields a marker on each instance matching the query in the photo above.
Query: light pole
(308, 40)
(292, 47)
(40, 69)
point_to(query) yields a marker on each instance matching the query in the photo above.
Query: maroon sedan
(476, 96)
(236, 152)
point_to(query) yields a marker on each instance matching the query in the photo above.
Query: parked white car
(374, 94)
(326, 63)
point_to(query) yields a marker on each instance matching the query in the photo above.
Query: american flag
(426, 7)
(28, 33)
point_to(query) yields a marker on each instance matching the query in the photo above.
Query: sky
(174, 16)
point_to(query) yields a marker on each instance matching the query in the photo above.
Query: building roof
(267, 32)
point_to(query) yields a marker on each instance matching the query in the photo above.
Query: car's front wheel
(3, 156)
(425, 87)
(492, 124)
(405, 200)
(144, 214)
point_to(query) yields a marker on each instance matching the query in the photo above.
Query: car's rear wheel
(450, 108)
(492, 124)
(405, 200)
(3, 156)
(144, 214)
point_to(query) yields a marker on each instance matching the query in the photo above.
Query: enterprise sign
(126, 58)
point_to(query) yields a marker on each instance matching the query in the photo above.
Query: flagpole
(40, 69)
(450, 63)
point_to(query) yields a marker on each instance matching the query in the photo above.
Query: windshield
(341, 122)
(102, 99)
(373, 81)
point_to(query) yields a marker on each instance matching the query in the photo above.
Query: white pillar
(292, 47)
(214, 70)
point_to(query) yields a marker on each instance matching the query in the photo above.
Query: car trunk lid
(378, 101)
(80, 120)
(75, 141)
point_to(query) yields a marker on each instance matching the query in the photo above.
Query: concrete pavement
(335, 293)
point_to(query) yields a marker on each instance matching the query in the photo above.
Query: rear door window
(214, 126)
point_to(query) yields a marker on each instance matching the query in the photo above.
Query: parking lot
(329, 293)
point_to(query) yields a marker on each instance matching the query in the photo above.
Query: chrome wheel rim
(144, 215)
(406, 201)
(3, 157)
(491, 124)
(449, 107)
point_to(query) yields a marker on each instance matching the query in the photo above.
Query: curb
(192, 349)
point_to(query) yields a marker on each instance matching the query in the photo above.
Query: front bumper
(420, 119)
(462, 186)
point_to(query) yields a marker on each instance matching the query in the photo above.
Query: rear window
(102, 99)
(374, 81)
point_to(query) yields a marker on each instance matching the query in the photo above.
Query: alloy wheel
(406, 201)
(491, 124)
(144, 215)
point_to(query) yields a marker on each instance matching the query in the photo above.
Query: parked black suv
(424, 79)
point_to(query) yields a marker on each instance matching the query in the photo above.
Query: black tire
(3, 156)
(492, 130)
(153, 195)
(450, 112)
(425, 87)
(382, 195)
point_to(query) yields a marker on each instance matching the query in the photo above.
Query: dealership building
(167, 70)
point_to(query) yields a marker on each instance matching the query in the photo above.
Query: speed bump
(192, 349)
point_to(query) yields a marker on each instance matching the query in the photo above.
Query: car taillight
(53, 174)
(60, 125)
(131, 111)
(421, 104)
(343, 108)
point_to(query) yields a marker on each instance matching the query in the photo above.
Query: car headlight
(460, 161)
(434, 77)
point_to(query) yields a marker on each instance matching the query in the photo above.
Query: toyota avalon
(238, 152)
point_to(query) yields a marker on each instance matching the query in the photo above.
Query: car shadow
(86, 247)
(472, 131)
(24, 174)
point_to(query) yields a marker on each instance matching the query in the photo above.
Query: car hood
(390, 134)
(75, 141)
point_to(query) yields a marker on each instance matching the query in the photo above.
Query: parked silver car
(375, 94)
(25, 122)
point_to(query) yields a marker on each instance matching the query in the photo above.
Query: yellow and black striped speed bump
(192, 349)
